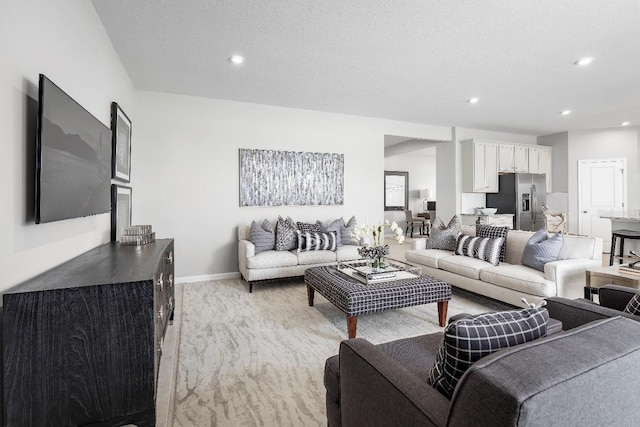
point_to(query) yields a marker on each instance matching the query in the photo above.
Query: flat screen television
(73, 158)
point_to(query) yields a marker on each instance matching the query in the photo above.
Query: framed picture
(121, 145)
(396, 191)
(120, 210)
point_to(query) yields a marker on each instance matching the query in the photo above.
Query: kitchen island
(500, 220)
(624, 221)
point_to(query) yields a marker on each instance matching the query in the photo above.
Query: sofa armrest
(569, 275)
(615, 296)
(377, 391)
(246, 249)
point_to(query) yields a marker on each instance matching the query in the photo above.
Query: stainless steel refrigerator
(521, 194)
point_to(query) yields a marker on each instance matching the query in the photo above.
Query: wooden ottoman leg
(442, 312)
(352, 325)
(310, 294)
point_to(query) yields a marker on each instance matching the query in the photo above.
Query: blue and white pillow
(311, 241)
(262, 236)
(541, 249)
(470, 339)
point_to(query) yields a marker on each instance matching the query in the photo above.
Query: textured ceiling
(410, 60)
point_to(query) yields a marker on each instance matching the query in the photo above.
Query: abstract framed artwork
(396, 191)
(287, 178)
(121, 210)
(121, 145)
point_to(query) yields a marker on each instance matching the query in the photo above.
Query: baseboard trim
(207, 277)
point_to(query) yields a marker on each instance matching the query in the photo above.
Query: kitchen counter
(501, 220)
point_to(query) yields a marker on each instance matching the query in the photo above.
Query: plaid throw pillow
(633, 307)
(484, 248)
(468, 340)
(494, 232)
(308, 227)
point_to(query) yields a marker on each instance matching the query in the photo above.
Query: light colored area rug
(257, 359)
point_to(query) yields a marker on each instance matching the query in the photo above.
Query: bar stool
(622, 234)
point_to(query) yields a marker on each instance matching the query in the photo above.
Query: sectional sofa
(510, 280)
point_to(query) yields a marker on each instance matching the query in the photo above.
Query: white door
(601, 188)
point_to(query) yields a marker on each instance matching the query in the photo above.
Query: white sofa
(269, 265)
(510, 280)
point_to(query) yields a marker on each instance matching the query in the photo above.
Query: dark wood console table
(82, 342)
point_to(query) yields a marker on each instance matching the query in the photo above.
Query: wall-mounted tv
(73, 158)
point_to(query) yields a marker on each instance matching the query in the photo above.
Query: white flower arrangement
(364, 230)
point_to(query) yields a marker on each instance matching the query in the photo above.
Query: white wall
(64, 40)
(601, 144)
(421, 166)
(186, 168)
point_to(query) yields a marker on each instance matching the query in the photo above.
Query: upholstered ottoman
(355, 298)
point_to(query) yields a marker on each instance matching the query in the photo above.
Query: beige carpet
(257, 359)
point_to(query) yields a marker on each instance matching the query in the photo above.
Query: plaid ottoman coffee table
(353, 297)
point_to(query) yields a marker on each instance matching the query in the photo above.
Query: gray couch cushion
(272, 259)
(541, 249)
(468, 340)
(444, 236)
(262, 236)
(333, 226)
(346, 229)
(347, 253)
(316, 257)
(428, 257)
(519, 278)
(464, 266)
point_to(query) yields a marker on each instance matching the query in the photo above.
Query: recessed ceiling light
(473, 100)
(624, 124)
(236, 59)
(565, 112)
(584, 61)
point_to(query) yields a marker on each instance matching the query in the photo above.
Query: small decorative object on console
(137, 235)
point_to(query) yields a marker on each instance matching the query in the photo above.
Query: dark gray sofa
(553, 381)
(575, 312)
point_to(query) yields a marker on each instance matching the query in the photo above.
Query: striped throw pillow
(483, 230)
(310, 241)
(484, 248)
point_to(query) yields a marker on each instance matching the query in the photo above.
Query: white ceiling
(409, 60)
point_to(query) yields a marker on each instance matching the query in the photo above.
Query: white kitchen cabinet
(534, 159)
(479, 166)
(521, 158)
(544, 163)
(513, 158)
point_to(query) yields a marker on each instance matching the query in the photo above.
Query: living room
(184, 149)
